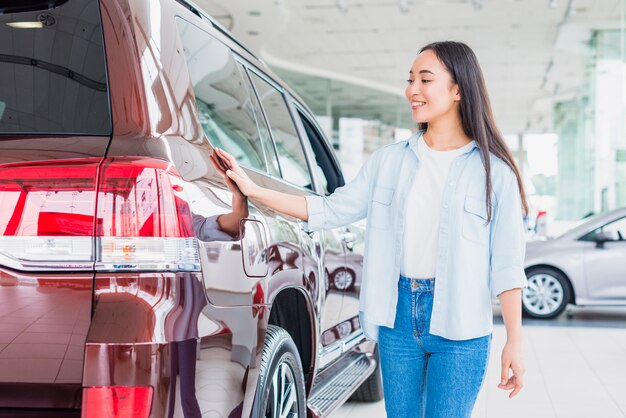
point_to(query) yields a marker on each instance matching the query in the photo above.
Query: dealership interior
(223, 208)
(556, 75)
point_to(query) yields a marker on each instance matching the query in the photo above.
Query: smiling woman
(447, 203)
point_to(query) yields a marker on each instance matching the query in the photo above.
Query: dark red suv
(119, 294)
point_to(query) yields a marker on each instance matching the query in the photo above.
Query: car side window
(328, 172)
(224, 104)
(614, 231)
(266, 139)
(291, 157)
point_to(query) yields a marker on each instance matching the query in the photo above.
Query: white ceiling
(531, 53)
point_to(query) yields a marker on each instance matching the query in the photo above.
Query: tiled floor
(43, 327)
(575, 368)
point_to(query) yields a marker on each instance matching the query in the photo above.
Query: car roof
(244, 51)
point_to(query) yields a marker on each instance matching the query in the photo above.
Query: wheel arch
(292, 310)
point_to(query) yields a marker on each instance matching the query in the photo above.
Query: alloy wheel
(343, 279)
(544, 294)
(283, 399)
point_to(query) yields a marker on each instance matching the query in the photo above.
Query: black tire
(372, 389)
(279, 351)
(561, 291)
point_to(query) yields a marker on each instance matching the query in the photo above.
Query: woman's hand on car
(221, 168)
(234, 176)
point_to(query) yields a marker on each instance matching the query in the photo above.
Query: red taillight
(139, 198)
(50, 213)
(146, 221)
(117, 402)
(47, 214)
(45, 199)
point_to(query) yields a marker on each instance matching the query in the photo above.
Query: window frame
(302, 110)
(288, 100)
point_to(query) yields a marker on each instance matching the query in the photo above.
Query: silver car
(586, 266)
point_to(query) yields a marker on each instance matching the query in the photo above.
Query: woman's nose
(413, 89)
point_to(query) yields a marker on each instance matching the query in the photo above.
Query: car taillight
(47, 214)
(117, 402)
(145, 219)
(135, 208)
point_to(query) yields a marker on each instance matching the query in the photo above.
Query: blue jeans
(426, 375)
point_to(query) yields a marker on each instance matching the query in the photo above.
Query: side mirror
(602, 237)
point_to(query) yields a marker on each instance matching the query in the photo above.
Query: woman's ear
(457, 93)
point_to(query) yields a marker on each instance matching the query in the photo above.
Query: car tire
(281, 380)
(547, 294)
(343, 279)
(372, 389)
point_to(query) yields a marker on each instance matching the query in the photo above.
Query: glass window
(614, 231)
(224, 102)
(53, 73)
(326, 170)
(290, 153)
(266, 139)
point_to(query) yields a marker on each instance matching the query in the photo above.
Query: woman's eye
(426, 81)
(409, 81)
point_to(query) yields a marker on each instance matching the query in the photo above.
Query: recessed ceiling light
(254, 13)
(253, 33)
(25, 25)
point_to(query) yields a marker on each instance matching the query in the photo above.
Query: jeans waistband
(416, 285)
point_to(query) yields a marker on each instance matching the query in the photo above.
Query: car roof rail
(197, 10)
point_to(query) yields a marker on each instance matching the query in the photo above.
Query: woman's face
(430, 90)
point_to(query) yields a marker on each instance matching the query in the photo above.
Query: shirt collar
(412, 143)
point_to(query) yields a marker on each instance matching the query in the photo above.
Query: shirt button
(437, 302)
(445, 206)
(451, 183)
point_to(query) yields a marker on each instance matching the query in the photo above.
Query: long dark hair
(475, 110)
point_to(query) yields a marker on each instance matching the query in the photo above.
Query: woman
(444, 233)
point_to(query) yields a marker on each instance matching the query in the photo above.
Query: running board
(339, 381)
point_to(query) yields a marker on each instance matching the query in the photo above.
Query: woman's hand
(512, 359)
(236, 179)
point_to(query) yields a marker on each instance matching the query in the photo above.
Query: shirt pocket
(474, 223)
(381, 210)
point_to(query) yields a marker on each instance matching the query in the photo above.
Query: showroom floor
(575, 368)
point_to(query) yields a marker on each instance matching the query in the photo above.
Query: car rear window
(52, 68)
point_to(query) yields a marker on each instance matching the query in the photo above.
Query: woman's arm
(508, 245)
(511, 305)
(345, 205)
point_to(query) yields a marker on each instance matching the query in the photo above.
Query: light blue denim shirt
(475, 259)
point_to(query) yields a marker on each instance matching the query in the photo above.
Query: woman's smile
(416, 104)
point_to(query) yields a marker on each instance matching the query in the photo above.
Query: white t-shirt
(423, 210)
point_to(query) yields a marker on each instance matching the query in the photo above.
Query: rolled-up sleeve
(508, 240)
(347, 204)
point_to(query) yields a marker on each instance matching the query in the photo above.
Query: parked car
(585, 266)
(111, 302)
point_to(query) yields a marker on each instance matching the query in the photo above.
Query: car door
(605, 264)
(343, 277)
(295, 171)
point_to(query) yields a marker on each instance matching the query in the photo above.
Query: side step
(338, 382)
